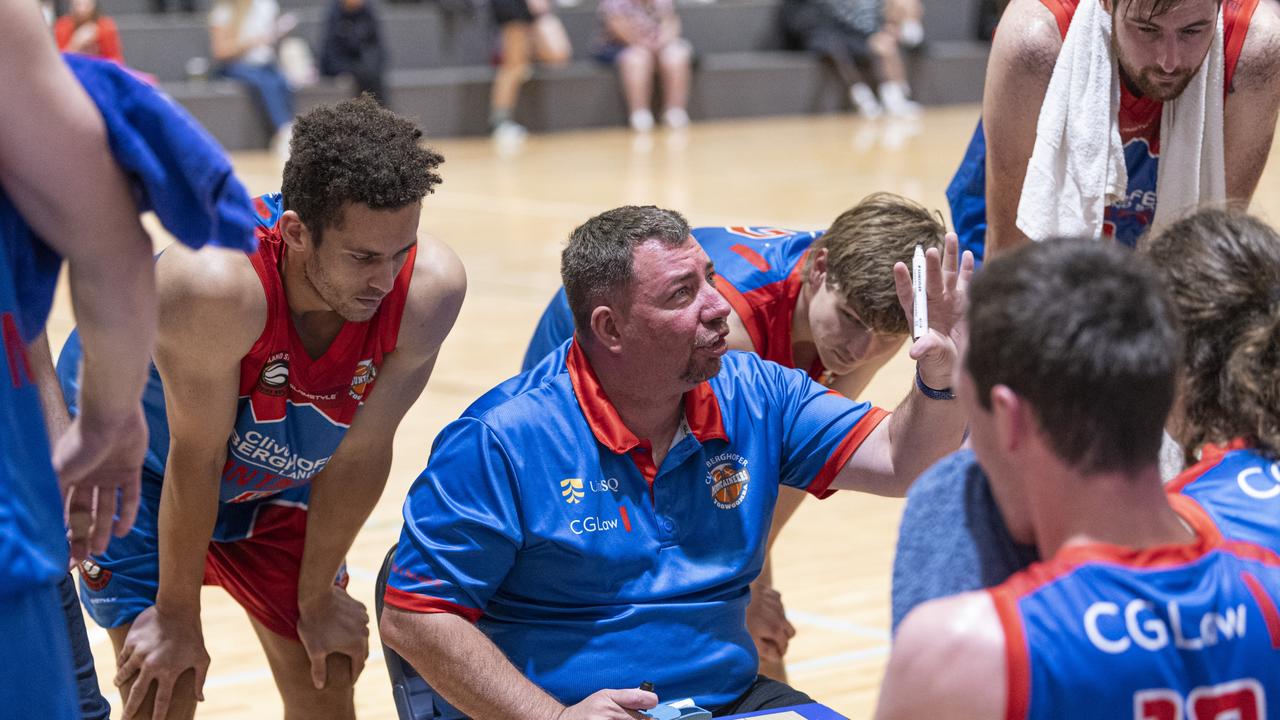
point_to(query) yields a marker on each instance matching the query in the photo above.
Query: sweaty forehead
(1170, 12)
(656, 264)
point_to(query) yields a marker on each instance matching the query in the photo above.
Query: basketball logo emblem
(360, 382)
(729, 480)
(274, 378)
(94, 575)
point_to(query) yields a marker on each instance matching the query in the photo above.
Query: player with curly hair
(269, 444)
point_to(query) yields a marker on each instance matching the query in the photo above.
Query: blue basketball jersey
(33, 546)
(1239, 488)
(1111, 633)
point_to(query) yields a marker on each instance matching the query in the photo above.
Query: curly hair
(355, 152)
(862, 246)
(1222, 269)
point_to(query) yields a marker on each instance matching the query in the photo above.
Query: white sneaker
(509, 131)
(896, 102)
(676, 118)
(641, 121)
(864, 101)
(912, 34)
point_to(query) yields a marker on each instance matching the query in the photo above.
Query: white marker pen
(920, 325)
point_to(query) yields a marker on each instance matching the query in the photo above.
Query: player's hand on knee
(767, 623)
(947, 276)
(99, 464)
(335, 623)
(159, 649)
(611, 705)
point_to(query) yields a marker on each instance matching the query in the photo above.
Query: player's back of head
(1222, 270)
(1084, 332)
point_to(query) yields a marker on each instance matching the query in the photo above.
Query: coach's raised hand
(946, 285)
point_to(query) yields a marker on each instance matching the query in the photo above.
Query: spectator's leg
(270, 89)
(511, 73)
(635, 67)
(675, 60)
(92, 705)
(894, 91)
(550, 41)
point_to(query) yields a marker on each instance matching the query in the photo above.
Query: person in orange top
(87, 31)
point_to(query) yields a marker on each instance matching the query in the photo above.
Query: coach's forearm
(342, 497)
(921, 431)
(188, 513)
(465, 667)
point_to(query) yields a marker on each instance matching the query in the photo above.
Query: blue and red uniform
(543, 519)
(759, 270)
(1127, 220)
(1239, 487)
(1175, 631)
(293, 413)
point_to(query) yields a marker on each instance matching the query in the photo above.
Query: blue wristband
(931, 393)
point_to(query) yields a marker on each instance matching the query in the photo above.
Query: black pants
(764, 694)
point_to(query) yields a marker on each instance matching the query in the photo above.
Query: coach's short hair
(1222, 269)
(1084, 332)
(597, 262)
(355, 152)
(864, 243)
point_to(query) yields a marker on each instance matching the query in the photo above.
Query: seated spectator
(851, 36)
(640, 35)
(243, 36)
(905, 21)
(87, 31)
(528, 29)
(353, 46)
(597, 521)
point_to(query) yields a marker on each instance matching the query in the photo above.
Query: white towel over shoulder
(1077, 167)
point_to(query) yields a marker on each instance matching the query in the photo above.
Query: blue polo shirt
(543, 519)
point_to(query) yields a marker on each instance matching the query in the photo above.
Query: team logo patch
(360, 382)
(571, 490)
(728, 477)
(94, 575)
(274, 378)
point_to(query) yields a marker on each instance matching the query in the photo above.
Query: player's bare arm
(1025, 49)
(57, 168)
(947, 661)
(212, 310)
(921, 429)
(1251, 108)
(345, 492)
(462, 664)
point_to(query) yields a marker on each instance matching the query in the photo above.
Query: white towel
(1077, 167)
(1191, 136)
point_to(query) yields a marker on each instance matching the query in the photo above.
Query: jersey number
(1236, 700)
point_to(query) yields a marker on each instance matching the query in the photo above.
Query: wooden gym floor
(507, 215)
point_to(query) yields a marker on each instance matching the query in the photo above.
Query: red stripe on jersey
(1210, 456)
(1266, 605)
(413, 602)
(752, 257)
(16, 352)
(820, 487)
(1017, 656)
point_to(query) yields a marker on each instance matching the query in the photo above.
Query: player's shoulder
(1028, 37)
(436, 291)
(948, 660)
(1259, 62)
(209, 280)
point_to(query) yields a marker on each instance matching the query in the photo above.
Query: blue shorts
(255, 556)
(37, 677)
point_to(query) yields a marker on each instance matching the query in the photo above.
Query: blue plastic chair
(415, 700)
